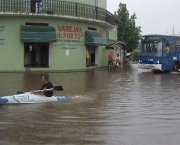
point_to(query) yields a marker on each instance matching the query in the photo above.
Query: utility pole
(173, 30)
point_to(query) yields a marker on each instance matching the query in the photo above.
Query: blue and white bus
(160, 52)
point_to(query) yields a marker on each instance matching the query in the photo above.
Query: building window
(36, 24)
(91, 28)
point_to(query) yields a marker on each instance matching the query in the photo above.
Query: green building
(52, 35)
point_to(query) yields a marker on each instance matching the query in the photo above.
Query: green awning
(38, 34)
(94, 38)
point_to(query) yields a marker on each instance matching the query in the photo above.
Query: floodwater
(130, 107)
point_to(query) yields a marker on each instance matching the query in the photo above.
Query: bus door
(168, 55)
(165, 64)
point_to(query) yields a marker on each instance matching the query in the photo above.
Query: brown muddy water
(130, 107)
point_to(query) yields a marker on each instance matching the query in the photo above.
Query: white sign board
(67, 52)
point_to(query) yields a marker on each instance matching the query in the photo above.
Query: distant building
(52, 35)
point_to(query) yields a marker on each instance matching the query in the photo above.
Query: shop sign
(69, 45)
(69, 32)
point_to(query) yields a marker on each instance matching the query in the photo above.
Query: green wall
(12, 52)
(76, 58)
(112, 34)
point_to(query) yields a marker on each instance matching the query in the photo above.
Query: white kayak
(28, 98)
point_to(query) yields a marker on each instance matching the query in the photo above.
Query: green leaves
(135, 54)
(128, 32)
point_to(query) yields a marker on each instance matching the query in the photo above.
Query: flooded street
(130, 107)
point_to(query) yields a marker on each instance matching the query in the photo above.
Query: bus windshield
(151, 48)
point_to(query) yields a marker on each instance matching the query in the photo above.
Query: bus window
(177, 45)
(151, 48)
(168, 48)
(158, 48)
(172, 47)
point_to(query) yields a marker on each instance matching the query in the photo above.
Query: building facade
(52, 35)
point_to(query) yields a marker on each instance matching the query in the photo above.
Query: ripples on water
(131, 107)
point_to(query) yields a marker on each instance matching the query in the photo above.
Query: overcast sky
(154, 16)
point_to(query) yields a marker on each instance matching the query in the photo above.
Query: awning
(38, 34)
(118, 44)
(94, 38)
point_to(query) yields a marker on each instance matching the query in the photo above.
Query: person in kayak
(46, 85)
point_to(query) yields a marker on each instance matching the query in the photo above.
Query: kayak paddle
(57, 88)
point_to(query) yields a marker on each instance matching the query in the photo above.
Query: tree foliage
(135, 54)
(128, 32)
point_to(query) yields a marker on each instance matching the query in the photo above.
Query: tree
(135, 54)
(128, 32)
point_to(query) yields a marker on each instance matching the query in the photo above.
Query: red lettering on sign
(69, 32)
(59, 35)
(75, 29)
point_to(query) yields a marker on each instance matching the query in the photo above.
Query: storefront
(57, 41)
(93, 40)
(36, 41)
(57, 45)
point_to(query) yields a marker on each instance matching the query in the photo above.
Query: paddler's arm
(51, 89)
(34, 92)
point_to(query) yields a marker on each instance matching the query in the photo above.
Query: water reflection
(128, 107)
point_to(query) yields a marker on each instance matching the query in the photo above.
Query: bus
(160, 52)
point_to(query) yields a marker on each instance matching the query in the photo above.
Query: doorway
(93, 55)
(36, 54)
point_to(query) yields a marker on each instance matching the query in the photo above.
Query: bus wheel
(176, 66)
